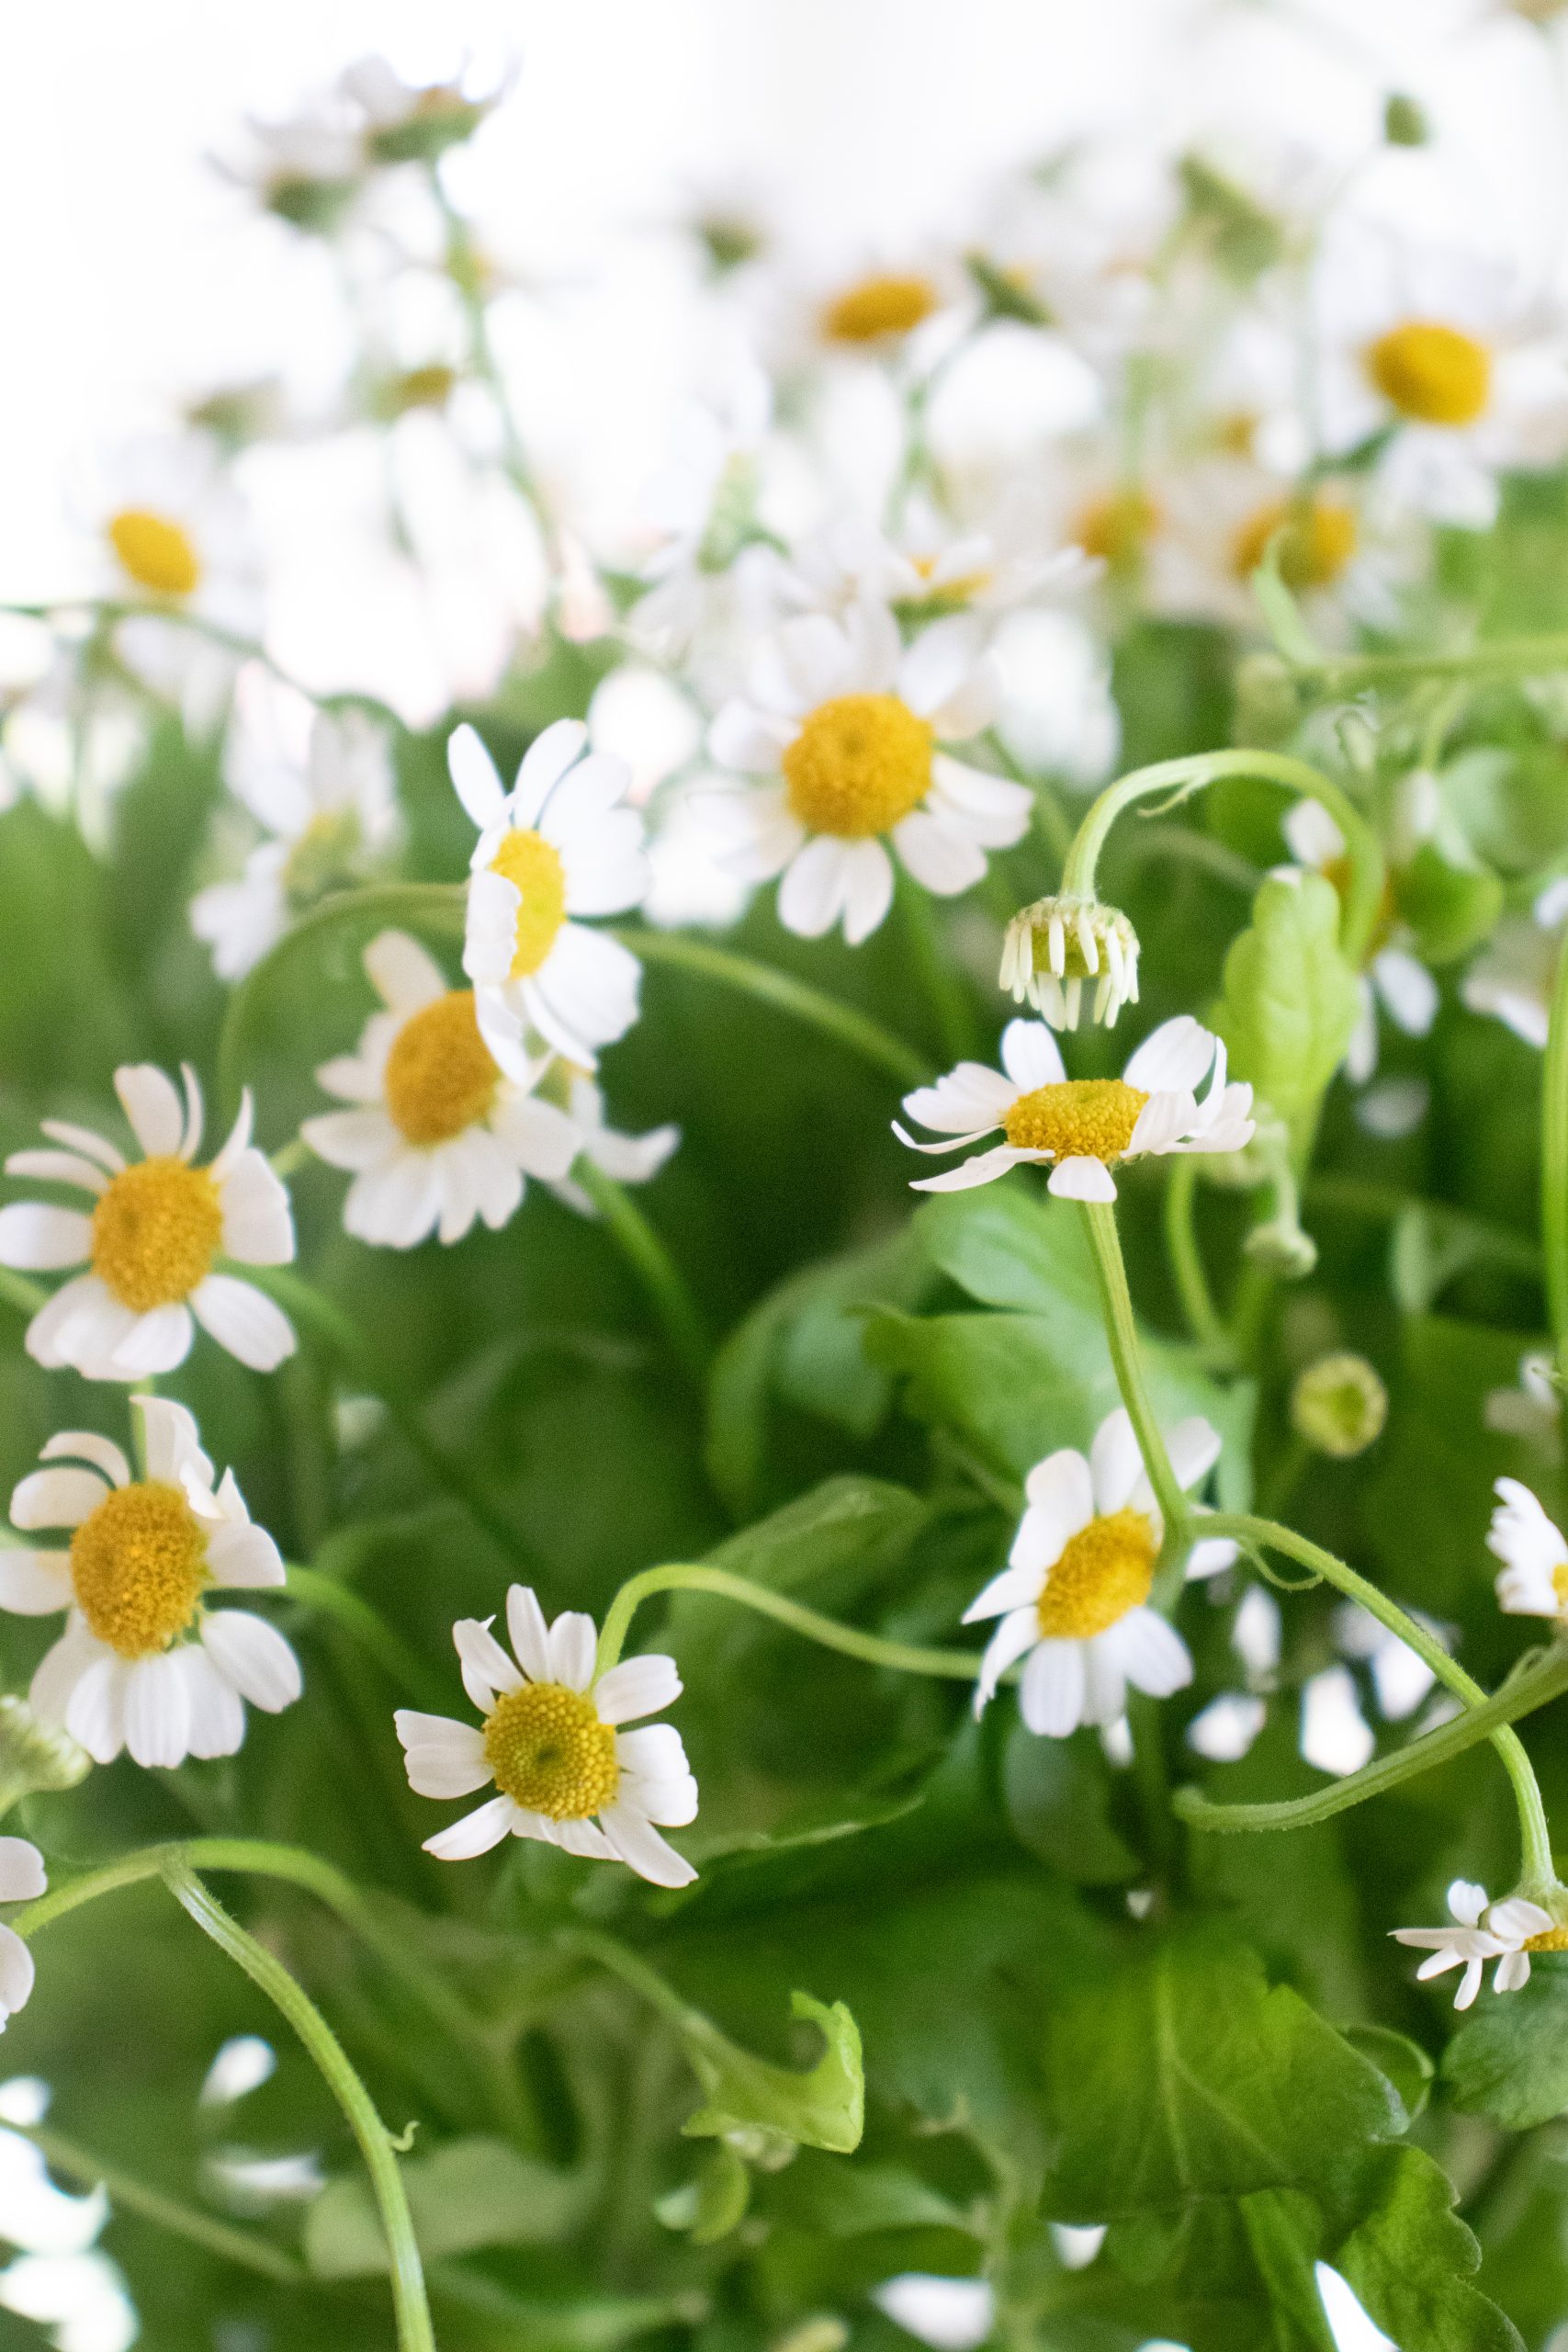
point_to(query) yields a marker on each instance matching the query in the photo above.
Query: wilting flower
(1083, 1127)
(1507, 1932)
(1074, 1595)
(1534, 1578)
(144, 1662)
(559, 845)
(565, 1773)
(158, 1229)
(22, 1880)
(1054, 946)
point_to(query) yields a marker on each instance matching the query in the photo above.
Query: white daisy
(439, 1135)
(1534, 1578)
(410, 122)
(158, 1229)
(144, 1663)
(565, 1773)
(328, 815)
(307, 170)
(1080, 1127)
(1507, 1932)
(931, 567)
(851, 724)
(1074, 1595)
(1397, 981)
(559, 845)
(22, 1880)
(173, 535)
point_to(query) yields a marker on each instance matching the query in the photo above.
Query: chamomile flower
(144, 1663)
(558, 846)
(1051, 948)
(1534, 1577)
(438, 1134)
(22, 1880)
(1073, 1598)
(1396, 981)
(1507, 1932)
(1080, 1129)
(852, 727)
(551, 1744)
(154, 1242)
(173, 533)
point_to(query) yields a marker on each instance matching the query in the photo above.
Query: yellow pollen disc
(859, 763)
(1560, 1583)
(1118, 527)
(877, 307)
(1088, 1118)
(139, 1565)
(550, 1753)
(534, 867)
(155, 1232)
(154, 551)
(1432, 373)
(1318, 543)
(440, 1078)
(1105, 1569)
(1549, 1939)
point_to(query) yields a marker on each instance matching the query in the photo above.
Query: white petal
(82, 1139)
(156, 1341)
(16, 1973)
(653, 1754)
(812, 894)
(475, 1833)
(1517, 1918)
(1077, 1179)
(1051, 1699)
(1173, 1059)
(1032, 1057)
(867, 889)
(573, 1646)
(640, 1845)
(244, 1321)
(1467, 1902)
(22, 1874)
(353, 1139)
(447, 1761)
(157, 1710)
(253, 1656)
(1512, 1972)
(217, 1711)
(243, 1558)
(1151, 1653)
(95, 1712)
(486, 1668)
(1408, 990)
(473, 774)
(545, 762)
(938, 663)
(395, 1204)
(62, 1498)
(943, 859)
(638, 1686)
(1018, 1631)
(258, 1224)
(540, 1135)
(529, 1633)
(58, 1168)
(38, 1239)
(79, 1326)
(984, 1169)
(1104, 1683)
(586, 990)
(151, 1103)
(173, 1443)
(969, 1101)
(34, 1584)
(1193, 1446)
(1116, 1461)
(403, 975)
(86, 1445)
(1013, 1587)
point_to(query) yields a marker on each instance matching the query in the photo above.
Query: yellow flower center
(1549, 1939)
(1560, 1583)
(550, 1753)
(1432, 373)
(877, 307)
(156, 1231)
(529, 862)
(859, 763)
(1117, 528)
(139, 1565)
(1318, 542)
(1104, 1570)
(440, 1078)
(156, 553)
(1079, 1118)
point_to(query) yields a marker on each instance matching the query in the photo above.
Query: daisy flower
(851, 726)
(1534, 1577)
(1082, 1127)
(558, 845)
(158, 1228)
(144, 1663)
(1396, 980)
(438, 1134)
(1074, 1595)
(174, 534)
(306, 170)
(327, 817)
(407, 122)
(1507, 1932)
(22, 1880)
(563, 1770)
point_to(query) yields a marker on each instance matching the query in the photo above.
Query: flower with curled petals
(144, 1662)
(155, 1241)
(557, 847)
(22, 1880)
(551, 1744)
(1533, 1581)
(1507, 1932)
(1080, 1129)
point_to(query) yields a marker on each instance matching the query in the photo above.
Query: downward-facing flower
(439, 1135)
(155, 1239)
(1534, 1577)
(1073, 1598)
(852, 727)
(145, 1662)
(22, 1880)
(1083, 1127)
(1052, 947)
(559, 847)
(1507, 1932)
(550, 1743)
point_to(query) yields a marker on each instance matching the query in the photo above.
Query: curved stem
(1269, 1535)
(1345, 672)
(659, 1276)
(862, 1035)
(1554, 1166)
(1127, 1357)
(957, 1665)
(350, 1610)
(952, 1012)
(1520, 1695)
(1204, 1317)
(248, 2248)
(415, 2330)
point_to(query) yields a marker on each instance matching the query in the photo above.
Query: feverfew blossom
(1533, 1581)
(1507, 1932)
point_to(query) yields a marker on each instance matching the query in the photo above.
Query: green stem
(1266, 1534)
(1204, 1317)
(415, 2330)
(248, 2248)
(1554, 1166)
(1525, 1690)
(659, 1277)
(1346, 672)
(19, 1291)
(1127, 1357)
(1050, 817)
(867, 1038)
(959, 1665)
(330, 1597)
(1363, 897)
(951, 1011)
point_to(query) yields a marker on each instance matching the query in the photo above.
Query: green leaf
(756, 2105)
(1403, 2062)
(1057, 1794)
(1450, 905)
(1291, 999)
(471, 2193)
(713, 2204)
(1509, 2058)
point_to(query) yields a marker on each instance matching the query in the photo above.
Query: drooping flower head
(145, 1662)
(155, 1241)
(22, 1880)
(1507, 1932)
(1080, 1129)
(550, 1743)
(1054, 946)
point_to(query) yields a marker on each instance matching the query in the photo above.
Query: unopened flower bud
(1404, 122)
(1054, 945)
(35, 1758)
(1283, 1246)
(1340, 1405)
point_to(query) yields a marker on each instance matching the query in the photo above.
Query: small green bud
(1340, 1405)
(729, 240)
(35, 1758)
(1403, 123)
(316, 206)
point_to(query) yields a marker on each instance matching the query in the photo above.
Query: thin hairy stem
(854, 1030)
(958, 1665)
(248, 2248)
(657, 1274)
(1127, 1357)
(1204, 1320)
